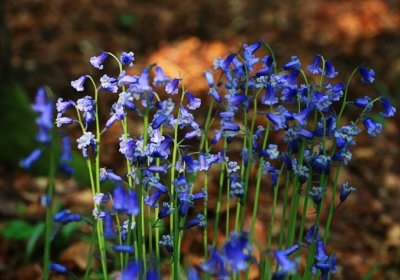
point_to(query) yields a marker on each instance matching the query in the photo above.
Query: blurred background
(50, 43)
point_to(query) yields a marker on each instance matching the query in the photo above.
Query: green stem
(49, 214)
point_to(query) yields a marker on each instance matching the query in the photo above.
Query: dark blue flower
(321, 255)
(124, 248)
(345, 191)
(110, 175)
(269, 97)
(314, 68)
(97, 61)
(236, 251)
(132, 271)
(210, 78)
(214, 93)
(168, 242)
(109, 83)
(108, 226)
(287, 266)
(172, 87)
(58, 268)
(362, 102)
(65, 217)
(330, 70)
(33, 157)
(152, 200)
(160, 79)
(127, 58)
(312, 234)
(78, 84)
(373, 128)
(301, 118)
(227, 62)
(316, 194)
(388, 110)
(62, 106)
(194, 102)
(200, 221)
(215, 265)
(165, 211)
(294, 64)
(192, 274)
(367, 75)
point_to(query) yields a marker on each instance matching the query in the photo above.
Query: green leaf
(33, 238)
(18, 230)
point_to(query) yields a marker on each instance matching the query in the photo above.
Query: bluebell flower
(210, 78)
(86, 106)
(194, 102)
(58, 268)
(62, 106)
(252, 48)
(316, 194)
(322, 102)
(99, 198)
(66, 154)
(192, 274)
(160, 187)
(162, 169)
(165, 211)
(272, 151)
(268, 62)
(60, 120)
(108, 226)
(345, 191)
(201, 195)
(192, 134)
(32, 158)
(269, 97)
(200, 221)
(206, 160)
(321, 255)
(294, 64)
(160, 79)
(302, 171)
(325, 267)
(44, 200)
(292, 249)
(85, 141)
(124, 248)
(315, 68)
(322, 164)
(362, 102)
(388, 110)
(367, 75)
(330, 70)
(172, 86)
(227, 62)
(168, 242)
(335, 92)
(215, 265)
(152, 274)
(287, 265)
(236, 251)
(110, 175)
(185, 202)
(373, 128)
(65, 217)
(127, 58)
(109, 83)
(152, 200)
(236, 187)
(132, 271)
(186, 119)
(78, 84)
(312, 234)
(124, 79)
(97, 61)
(118, 113)
(214, 93)
(301, 117)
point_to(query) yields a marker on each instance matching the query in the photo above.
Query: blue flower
(78, 84)
(97, 61)
(325, 267)
(194, 102)
(367, 75)
(252, 48)
(152, 200)
(373, 128)
(388, 110)
(362, 102)
(85, 141)
(58, 268)
(272, 151)
(227, 62)
(236, 251)
(330, 70)
(294, 64)
(316, 194)
(210, 78)
(200, 221)
(165, 211)
(65, 217)
(345, 191)
(172, 87)
(108, 226)
(269, 97)
(214, 93)
(110, 175)
(118, 113)
(192, 274)
(127, 58)
(62, 106)
(287, 266)
(132, 271)
(86, 105)
(109, 83)
(215, 265)
(160, 79)
(33, 157)
(312, 234)
(314, 68)
(168, 242)
(321, 255)
(124, 248)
